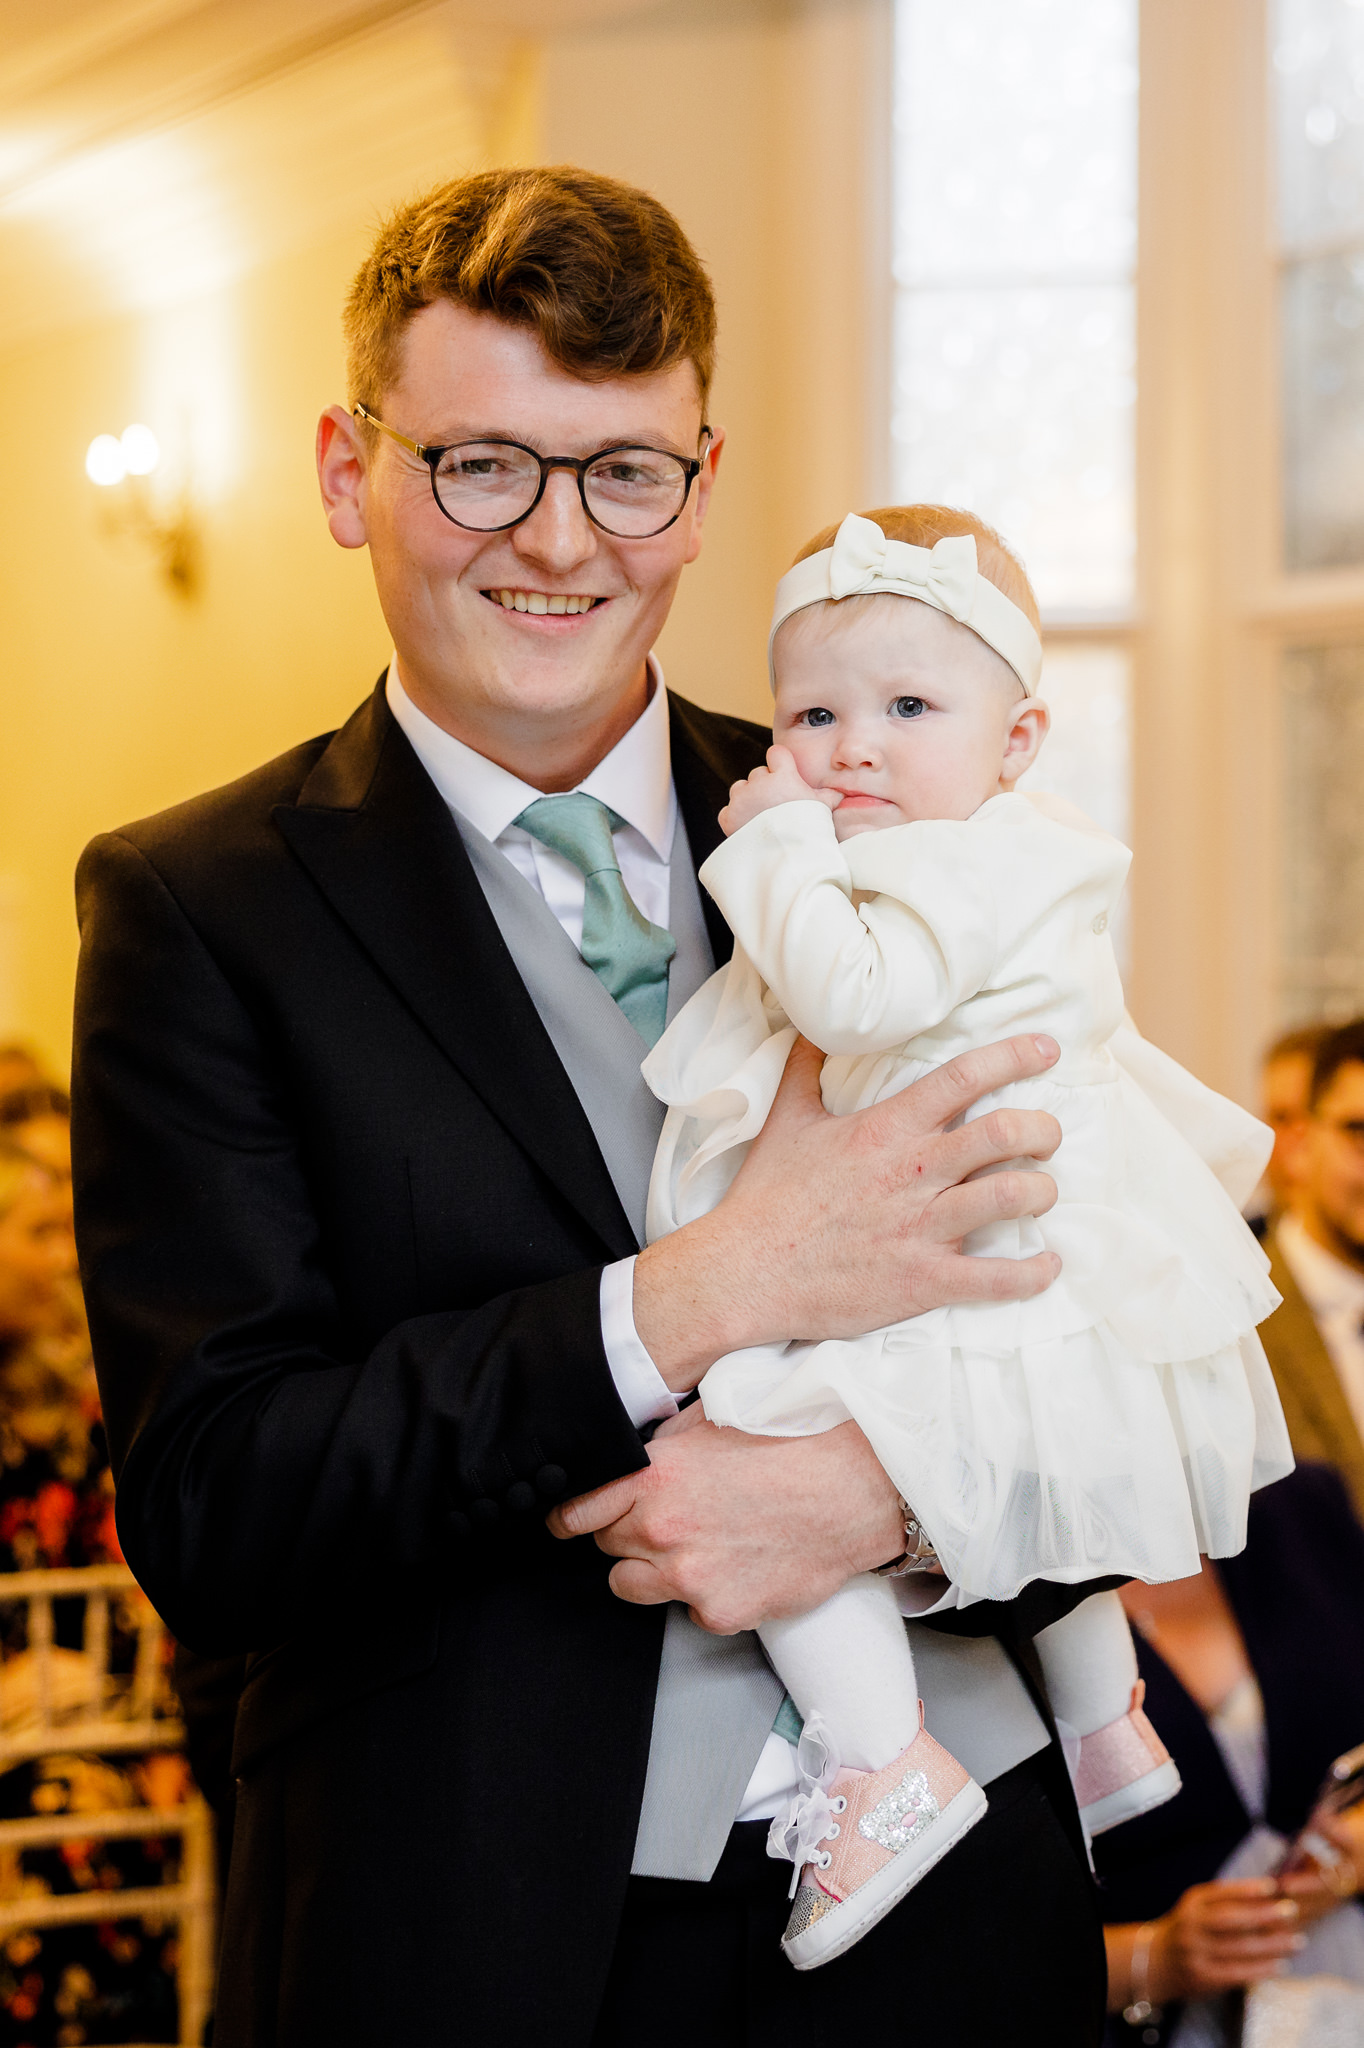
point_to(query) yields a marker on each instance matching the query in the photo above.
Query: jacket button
(520, 1496)
(1100, 924)
(458, 1523)
(484, 1510)
(551, 1482)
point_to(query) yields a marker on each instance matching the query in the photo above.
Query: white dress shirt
(636, 782)
(1335, 1294)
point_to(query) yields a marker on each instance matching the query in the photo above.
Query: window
(1318, 69)
(1015, 181)
(1015, 242)
(1322, 969)
(1317, 60)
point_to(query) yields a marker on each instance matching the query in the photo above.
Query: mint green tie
(628, 955)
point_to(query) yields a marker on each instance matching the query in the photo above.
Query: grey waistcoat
(717, 1695)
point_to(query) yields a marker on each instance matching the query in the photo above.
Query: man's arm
(269, 1465)
(839, 1225)
(271, 1462)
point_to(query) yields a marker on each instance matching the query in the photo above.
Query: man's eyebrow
(456, 436)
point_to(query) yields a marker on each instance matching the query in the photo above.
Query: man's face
(1286, 1083)
(1333, 1165)
(483, 670)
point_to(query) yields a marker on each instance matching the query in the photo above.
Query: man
(363, 1155)
(1315, 1338)
(1285, 1084)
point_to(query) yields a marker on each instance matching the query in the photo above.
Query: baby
(894, 898)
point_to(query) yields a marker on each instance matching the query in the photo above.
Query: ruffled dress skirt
(1117, 1423)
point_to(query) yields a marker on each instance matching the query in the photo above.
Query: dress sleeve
(857, 976)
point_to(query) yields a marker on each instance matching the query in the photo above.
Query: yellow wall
(117, 697)
(763, 129)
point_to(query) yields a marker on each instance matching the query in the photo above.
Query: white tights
(850, 1661)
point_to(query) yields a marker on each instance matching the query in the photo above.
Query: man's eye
(908, 707)
(817, 716)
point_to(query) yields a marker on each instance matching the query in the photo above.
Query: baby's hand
(780, 782)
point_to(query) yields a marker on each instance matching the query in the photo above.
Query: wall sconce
(123, 462)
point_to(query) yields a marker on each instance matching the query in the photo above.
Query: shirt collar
(1328, 1285)
(635, 780)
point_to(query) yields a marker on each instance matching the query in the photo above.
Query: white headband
(862, 562)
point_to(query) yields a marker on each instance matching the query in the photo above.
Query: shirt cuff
(644, 1394)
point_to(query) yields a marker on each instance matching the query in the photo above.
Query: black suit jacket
(341, 1221)
(1297, 1590)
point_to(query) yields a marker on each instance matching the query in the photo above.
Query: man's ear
(705, 484)
(1030, 722)
(341, 463)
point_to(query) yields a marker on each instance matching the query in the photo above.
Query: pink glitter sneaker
(865, 1838)
(1124, 1769)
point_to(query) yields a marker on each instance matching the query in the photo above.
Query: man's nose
(558, 536)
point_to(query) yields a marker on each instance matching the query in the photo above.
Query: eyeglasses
(488, 486)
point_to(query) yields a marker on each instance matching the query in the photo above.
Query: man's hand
(1219, 1936)
(836, 1225)
(780, 782)
(741, 1527)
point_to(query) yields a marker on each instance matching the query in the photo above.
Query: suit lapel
(377, 839)
(709, 752)
(1296, 1350)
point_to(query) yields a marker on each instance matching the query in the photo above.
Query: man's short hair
(600, 270)
(1339, 1049)
(1305, 1042)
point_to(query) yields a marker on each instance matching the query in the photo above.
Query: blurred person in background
(1285, 1085)
(1254, 1676)
(1315, 1338)
(19, 1068)
(114, 1980)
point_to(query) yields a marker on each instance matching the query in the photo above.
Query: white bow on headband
(862, 562)
(862, 558)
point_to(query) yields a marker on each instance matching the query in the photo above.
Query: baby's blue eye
(908, 707)
(818, 716)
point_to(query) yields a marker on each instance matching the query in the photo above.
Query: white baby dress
(1116, 1423)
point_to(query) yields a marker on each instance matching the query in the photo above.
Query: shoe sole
(1131, 1801)
(835, 1934)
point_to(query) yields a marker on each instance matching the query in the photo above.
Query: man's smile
(545, 603)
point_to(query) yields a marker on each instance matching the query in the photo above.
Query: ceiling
(152, 150)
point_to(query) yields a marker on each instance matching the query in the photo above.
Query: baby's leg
(850, 1662)
(1090, 1667)
(860, 1837)
(1089, 1663)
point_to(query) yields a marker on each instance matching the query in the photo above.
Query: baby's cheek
(810, 748)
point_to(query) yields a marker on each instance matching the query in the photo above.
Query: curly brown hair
(600, 270)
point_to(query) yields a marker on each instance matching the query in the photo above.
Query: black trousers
(1001, 1943)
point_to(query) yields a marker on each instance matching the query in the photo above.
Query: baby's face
(905, 712)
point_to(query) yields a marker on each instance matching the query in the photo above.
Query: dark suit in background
(1297, 1591)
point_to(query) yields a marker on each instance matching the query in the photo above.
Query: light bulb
(141, 450)
(105, 461)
